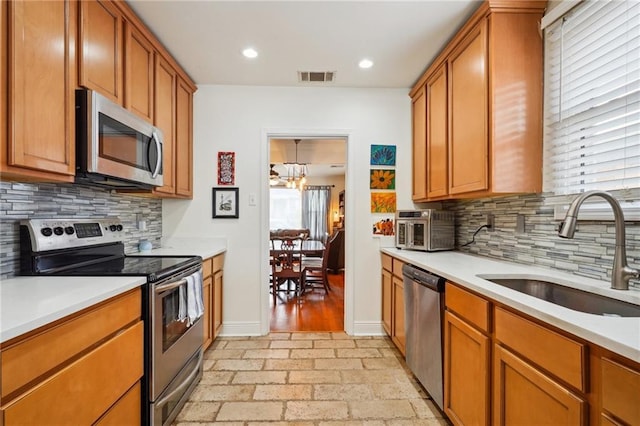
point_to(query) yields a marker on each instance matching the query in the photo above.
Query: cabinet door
(466, 372)
(468, 113)
(398, 331)
(217, 302)
(164, 107)
(523, 394)
(386, 301)
(126, 411)
(207, 299)
(40, 90)
(139, 61)
(620, 391)
(184, 140)
(419, 121)
(101, 48)
(436, 88)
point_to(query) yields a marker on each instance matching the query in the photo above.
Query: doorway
(302, 172)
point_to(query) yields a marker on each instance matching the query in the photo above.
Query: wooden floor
(314, 311)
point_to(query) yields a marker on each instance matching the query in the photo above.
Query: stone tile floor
(307, 379)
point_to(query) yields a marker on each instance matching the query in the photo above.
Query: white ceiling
(324, 157)
(400, 37)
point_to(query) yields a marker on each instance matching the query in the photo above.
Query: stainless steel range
(172, 299)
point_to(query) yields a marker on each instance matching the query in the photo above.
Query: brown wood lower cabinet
(523, 394)
(503, 367)
(393, 301)
(212, 294)
(466, 372)
(95, 380)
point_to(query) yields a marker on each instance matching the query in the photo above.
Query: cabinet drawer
(387, 262)
(37, 356)
(397, 267)
(469, 306)
(124, 412)
(555, 353)
(207, 267)
(218, 262)
(84, 390)
(621, 391)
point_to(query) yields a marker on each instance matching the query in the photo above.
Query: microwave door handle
(409, 232)
(156, 170)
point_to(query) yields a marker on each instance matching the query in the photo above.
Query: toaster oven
(425, 230)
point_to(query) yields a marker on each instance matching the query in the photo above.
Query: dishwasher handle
(424, 278)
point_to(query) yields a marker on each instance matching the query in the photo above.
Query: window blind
(592, 98)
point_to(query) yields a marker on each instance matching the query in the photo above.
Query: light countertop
(620, 335)
(31, 302)
(203, 247)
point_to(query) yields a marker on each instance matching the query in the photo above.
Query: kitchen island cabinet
(81, 369)
(485, 128)
(38, 80)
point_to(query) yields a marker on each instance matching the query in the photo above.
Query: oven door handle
(169, 286)
(186, 382)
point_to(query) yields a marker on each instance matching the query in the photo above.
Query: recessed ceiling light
(365, 63)
(250, 53)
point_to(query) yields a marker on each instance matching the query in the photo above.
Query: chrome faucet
(621, 273)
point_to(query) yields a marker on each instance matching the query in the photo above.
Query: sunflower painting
(382, 179)
(383, 202)
(383, 155)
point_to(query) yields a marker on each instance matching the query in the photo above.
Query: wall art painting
(383, 155)
(226, 168)
(225, 203)
(383, 202)
(382, 179)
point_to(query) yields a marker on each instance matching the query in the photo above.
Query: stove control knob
(112, 228)
(69, 230)
(58, 230)
(47, 232)
(119, 227)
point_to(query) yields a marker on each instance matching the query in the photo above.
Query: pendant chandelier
(296, 172)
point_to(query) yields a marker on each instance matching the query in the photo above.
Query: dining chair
(286, 266)
(314, 271)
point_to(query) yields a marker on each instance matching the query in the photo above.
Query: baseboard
(234, 329)
(368, 328)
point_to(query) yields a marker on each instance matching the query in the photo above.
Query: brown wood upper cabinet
(101, 48)
(138, 73)
(139, 66)
(37, 83)
(483, 114)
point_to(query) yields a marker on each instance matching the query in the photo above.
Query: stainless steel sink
(569, 297)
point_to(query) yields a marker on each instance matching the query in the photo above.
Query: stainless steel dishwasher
(424, 307)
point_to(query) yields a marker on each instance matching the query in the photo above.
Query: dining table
(306, 247)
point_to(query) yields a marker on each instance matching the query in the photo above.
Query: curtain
(315, 210)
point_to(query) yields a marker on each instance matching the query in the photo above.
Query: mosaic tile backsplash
(589, 254)
(49, 200)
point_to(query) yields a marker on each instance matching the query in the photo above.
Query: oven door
(418, 235)
(173, 341)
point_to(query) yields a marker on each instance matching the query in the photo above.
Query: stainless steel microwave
(425, 230)
(114, 147)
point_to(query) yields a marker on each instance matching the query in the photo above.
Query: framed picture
(383, 155)
(226, 168)
(225, 203)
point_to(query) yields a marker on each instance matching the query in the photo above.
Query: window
(592, 99)
(285, 209)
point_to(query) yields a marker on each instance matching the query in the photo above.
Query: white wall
(240, 119)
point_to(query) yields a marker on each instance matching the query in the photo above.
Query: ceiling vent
(316, 76)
